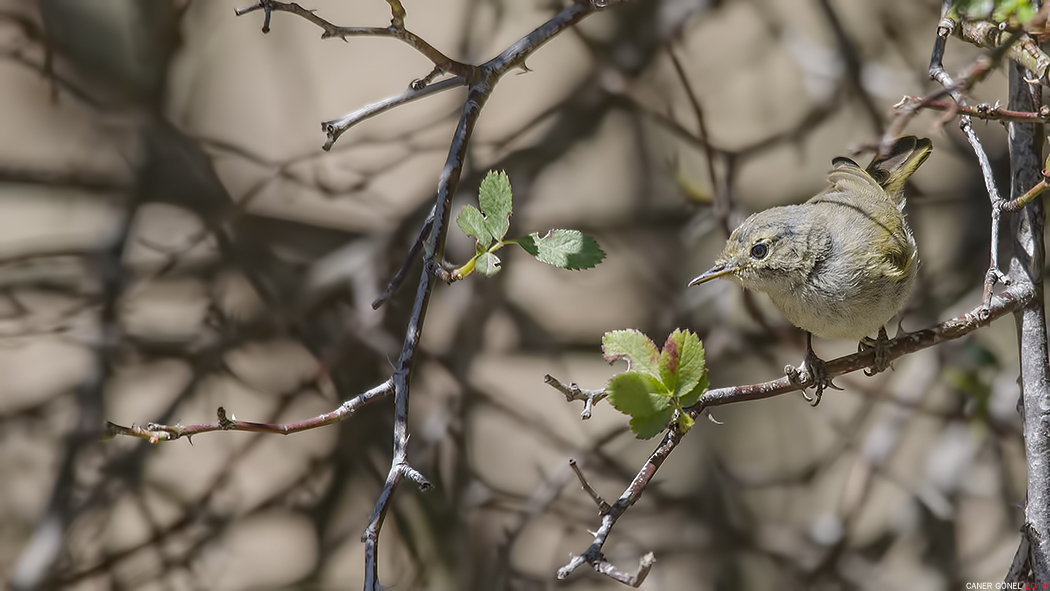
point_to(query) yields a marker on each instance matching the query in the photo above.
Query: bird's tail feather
(906, 155)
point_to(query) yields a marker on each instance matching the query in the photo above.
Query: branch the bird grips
(839, 265)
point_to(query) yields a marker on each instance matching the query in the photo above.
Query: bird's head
(769, 252)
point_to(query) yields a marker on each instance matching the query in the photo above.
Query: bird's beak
(719, 270)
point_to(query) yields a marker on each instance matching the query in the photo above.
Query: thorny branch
(981, 111)
(396, 30)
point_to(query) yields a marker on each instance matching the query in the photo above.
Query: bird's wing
(847, 179)
(874, 216)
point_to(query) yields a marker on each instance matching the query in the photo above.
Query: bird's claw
(815, 373)
(881, 347)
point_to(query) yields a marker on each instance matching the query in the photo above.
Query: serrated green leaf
(496, 201)
(473, 224)
(682, 362)
(698, 391)
(487, 264)
(639, 350)
(649, 426)
(637, 394)
(568, 249)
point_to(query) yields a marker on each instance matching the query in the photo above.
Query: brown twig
(396, 30)
(981, 111)
(155, 433)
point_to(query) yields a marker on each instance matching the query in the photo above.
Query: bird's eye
(759, 251)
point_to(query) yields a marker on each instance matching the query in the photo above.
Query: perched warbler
(839, 265)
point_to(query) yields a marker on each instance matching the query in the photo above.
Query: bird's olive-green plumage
(841, 264)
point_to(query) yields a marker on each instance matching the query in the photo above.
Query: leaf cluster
(488, 225)
(659, 384)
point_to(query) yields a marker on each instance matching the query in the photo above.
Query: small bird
(839, 265)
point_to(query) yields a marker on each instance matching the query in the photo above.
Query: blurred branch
(854, 68)
(87, 181)
(45, 546)
(722, 205)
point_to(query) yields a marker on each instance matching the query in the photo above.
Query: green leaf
(637, 394)
(568, 249)
(682, 363)
(487, 264)
(473, 224)
(652, 425)
(496, 201)
(693, 397)
(639, 350)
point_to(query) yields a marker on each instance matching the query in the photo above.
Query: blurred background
(173, 239)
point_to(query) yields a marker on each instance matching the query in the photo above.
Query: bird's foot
(881, 346)
(815, 369)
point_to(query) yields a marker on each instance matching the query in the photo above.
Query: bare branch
(396, 30)
(335, 128)
(156, 433)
